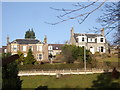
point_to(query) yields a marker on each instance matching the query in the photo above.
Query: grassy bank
(68, 81)
(71, 81)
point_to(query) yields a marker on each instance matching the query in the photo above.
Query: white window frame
(14, 47)
(24, 48)
(39, 56)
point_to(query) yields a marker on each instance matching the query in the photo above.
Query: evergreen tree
(10, 78)
(30, 58)
(21, 59)
(72, 53)
(30, 34)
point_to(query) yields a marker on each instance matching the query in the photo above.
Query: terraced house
(92, 42)
(39, 49)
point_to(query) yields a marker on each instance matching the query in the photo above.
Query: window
(82, 38)
(5, 50)
(39, 48)
(30, 47)
(91, 39)
(56, 47)
(39, 56)
(101, 39)
(101, 49)
(14, 47)
(24, 48)
(96, 40)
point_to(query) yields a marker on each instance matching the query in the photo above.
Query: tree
(67, 54)
(111, 18)
(72, 53)
(10, 78)
(81, 12)
(21, 59)
(30, 34)
(30, 58)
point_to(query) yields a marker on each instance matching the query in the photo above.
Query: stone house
(39, 49)
(92, 42)
(55, 49)
(4, 49)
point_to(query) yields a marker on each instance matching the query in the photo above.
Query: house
(39, 49)
(54, 49)
(92, 42)
(4, 49)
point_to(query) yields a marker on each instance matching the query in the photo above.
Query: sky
(18, 17)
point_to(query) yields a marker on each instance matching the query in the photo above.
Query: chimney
(45, 39)
(8, 39)
(102, 32)
(72, 31)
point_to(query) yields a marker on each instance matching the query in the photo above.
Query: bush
(115, 73)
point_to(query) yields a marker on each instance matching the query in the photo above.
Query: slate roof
(56, 46)
(26, 41)
(88, 35)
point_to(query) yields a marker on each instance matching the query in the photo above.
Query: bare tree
(111, 18)
(81, 12)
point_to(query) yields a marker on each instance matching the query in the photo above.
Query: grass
(67, 81)
(71, 81)
(111, 59)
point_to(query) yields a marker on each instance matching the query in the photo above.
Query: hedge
(50, 66)
(60, 66)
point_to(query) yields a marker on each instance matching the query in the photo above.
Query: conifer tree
(30, 34)
(30, 58)
(10, 78)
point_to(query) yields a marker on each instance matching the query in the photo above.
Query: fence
(62, 72)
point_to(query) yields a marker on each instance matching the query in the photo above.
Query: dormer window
(82, 38)
(56, 47)
(14, 42)
(101, 39)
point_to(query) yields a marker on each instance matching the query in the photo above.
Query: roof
(56, 46)
(26, 41)
(88, 35)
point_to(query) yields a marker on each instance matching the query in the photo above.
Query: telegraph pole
(84, 55)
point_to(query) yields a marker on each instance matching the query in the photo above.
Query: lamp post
(84, 55)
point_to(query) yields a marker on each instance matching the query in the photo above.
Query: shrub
(115, 73)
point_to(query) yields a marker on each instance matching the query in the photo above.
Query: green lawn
(71, 81)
